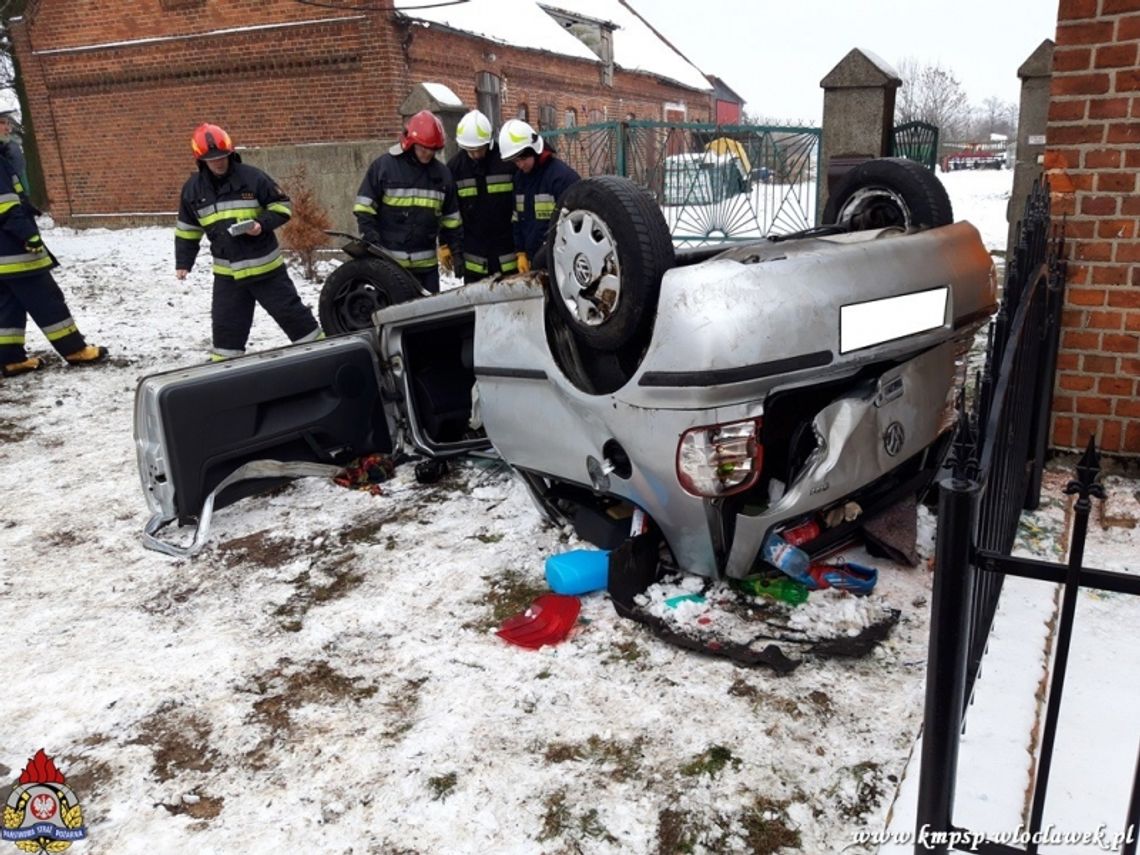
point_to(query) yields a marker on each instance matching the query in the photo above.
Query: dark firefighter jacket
(486, 203)
(404, 205)
(210, 205)
(536, 200)
(21, 248)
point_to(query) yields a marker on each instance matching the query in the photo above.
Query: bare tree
(931, 93)
(9, 9)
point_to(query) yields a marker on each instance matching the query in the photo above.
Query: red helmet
(211, 142)
(424, 128)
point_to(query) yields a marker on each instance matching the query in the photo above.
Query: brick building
(113, 88)
(1093, 159)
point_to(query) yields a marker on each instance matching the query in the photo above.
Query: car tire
(608, 248)
(358, 288)
(889, 191)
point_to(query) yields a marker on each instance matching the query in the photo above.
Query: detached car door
(201, 430)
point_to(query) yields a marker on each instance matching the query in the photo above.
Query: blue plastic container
(578, 571)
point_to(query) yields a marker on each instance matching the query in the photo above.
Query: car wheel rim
(586, 269)
(875, 208)
(357, 302)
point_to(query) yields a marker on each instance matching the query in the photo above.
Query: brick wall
(1093, 160)
(114, 97)
(534, 78)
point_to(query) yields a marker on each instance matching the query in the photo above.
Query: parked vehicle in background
(727, 392)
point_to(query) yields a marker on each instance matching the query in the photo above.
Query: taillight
(720, 460)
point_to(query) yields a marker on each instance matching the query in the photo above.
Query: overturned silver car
(726, 393)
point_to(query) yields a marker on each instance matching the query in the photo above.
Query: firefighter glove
(34, 244)
(524, 263)
(445, 259)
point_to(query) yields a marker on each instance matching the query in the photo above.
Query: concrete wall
(333, 170)
(1036, 75)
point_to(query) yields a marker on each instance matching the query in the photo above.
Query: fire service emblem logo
(42, 814)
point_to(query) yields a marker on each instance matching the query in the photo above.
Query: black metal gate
(715, 183)
(917, 141)
(996, 473)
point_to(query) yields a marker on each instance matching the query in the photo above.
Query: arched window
(571, 118)
(523, 112)
(547, 117)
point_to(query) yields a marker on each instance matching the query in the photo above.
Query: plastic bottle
(578, 571)
(789, 559)
(776, 588)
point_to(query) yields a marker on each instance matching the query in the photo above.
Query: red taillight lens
(720, 460)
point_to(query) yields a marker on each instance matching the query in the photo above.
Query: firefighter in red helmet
(407, 201)
(238, 207)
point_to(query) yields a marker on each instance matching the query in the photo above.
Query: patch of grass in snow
(558, 820)
(286, 687)
(624, 651)
(858, 790)
(442, 786)
(767, 827)
(710, 762)
(508, 593)
(335, 581)
(619, 760)
(262, 549)
(764, 826)
(179, 741)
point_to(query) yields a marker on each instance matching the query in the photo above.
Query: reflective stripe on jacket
(404, 206)
(486, 202)
(536, 200)
(18, 231)
(210, 205)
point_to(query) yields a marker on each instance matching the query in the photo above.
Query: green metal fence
(916, 141)
(714, 183)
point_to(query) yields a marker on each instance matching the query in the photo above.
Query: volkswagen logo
(582, 271)
(893, 438)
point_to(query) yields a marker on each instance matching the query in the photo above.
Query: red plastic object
(802, 533)
(547, 620)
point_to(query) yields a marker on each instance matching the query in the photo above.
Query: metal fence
(917, 141)
(996, 473)
(714, 183)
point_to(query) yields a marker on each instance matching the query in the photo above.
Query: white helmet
(474, 131)
(515, 137)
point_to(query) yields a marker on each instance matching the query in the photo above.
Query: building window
(596, 117)
(571, 118)
(523, 112)
(547, 117)
(488, 97)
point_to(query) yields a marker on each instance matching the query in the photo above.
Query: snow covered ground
(324, 675)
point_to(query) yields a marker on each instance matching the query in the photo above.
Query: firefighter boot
(88, 355)
(32, 363)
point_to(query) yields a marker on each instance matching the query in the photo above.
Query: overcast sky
(774, 54)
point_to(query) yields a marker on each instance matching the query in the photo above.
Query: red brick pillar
(1093, 159)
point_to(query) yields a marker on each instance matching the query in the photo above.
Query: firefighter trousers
(234, 301)
(37, 295)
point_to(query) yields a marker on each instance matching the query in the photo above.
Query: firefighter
(238, 207)
(485, 188)
(540, 180)
(407, 201)
(28, 288)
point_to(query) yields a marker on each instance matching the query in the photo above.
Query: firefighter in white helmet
(485, 187)
(540, 180)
